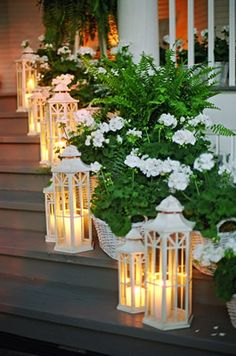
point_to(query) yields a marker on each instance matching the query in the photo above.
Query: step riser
(19, 152)
(72, 274)
(23, 220)
(11, 126)
(29, 182)
(8, 103)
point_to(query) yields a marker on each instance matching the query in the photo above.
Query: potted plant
(149, 138)
(224, 259)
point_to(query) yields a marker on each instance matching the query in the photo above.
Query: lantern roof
(37, 94)
(133, 242)
(170, 218)
(28, 54)
(71, 162)
(62, 97)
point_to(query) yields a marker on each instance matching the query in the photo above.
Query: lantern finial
(170, 205)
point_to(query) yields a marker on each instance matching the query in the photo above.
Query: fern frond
(220, 129)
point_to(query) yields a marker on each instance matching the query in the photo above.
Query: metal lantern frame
(50, 213)
(131, 261)
(71, 179)
(26, 78)
(168, 268)
(60, 107)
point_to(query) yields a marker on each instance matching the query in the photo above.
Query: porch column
(138, 25)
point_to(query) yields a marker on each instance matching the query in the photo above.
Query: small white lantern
(36, 112)
(50, 213)
(168, 268)
(26, 78)
(71, 179)
(131, 273)
(60, 108)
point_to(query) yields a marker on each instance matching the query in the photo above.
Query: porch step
(26, 254)
(19, 148)
(13, 123)
(85, 318)
(22, 210)
(23, 175)
(8, 102)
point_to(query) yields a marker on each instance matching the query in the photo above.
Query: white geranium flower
(102, 70)
(201, 119)
(86, 51)
(204, 33)
(151, 167)
(178, 181)
(95, 166)
(88, 141)
(41, 38)
(182, 119)
(64, 50)
(132, 160)
(104, 127)
(168, 120)
(134, 132)
(224, 168)
(204, 162)
(116, 123)
(98, 138)
(119, 139)
(184, 137)
(48, 45)
(83, 116)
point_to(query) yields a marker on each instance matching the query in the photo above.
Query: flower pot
(231, 306)
(107, 240)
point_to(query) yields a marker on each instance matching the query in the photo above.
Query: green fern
(220, 129)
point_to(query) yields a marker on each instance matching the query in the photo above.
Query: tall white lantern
(26, 78)
(168, 268)
(50, 213)
(60, 107)
(36, 111)
(131, 273)
(71, 179)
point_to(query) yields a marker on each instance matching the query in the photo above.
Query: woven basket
(197, 239)
(231, 306)
(107, 240)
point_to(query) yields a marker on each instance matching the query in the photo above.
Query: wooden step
(12, 123)
(8, 102)
(23, 175)
(87, 319)
(22, 210)
(19, 148)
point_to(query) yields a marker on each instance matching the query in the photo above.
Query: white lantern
(50, 214)
(36, 112)
(168, 268)
(26, 78)
(71, 179)
(61, 107)
(131, 273)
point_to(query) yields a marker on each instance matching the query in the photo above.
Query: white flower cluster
(83, 116)
(168, 120)
(184, 137)
(97, 138)
(121, 45)
(204, 162)
(95, 166)
(151, 167)
(134, 132)
(63, 79)
(201, 119)
(209, 252)
(86, 51)
(64, 50)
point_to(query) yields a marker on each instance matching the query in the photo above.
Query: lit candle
(30, 84)
(157, 293)
(139, 296)
(76, 221)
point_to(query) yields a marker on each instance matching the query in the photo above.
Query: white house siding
(19, 20)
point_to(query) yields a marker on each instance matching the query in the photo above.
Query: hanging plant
(63, 18)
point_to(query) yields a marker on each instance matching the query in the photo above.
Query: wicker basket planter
(107, 240)
(231, 306)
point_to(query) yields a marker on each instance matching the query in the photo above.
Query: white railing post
(190, 33)
(211, 33)
(172, 27)
(232, 19)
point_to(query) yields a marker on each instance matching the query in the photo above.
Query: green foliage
(62, 18)
(220, 129)
(225, 278)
